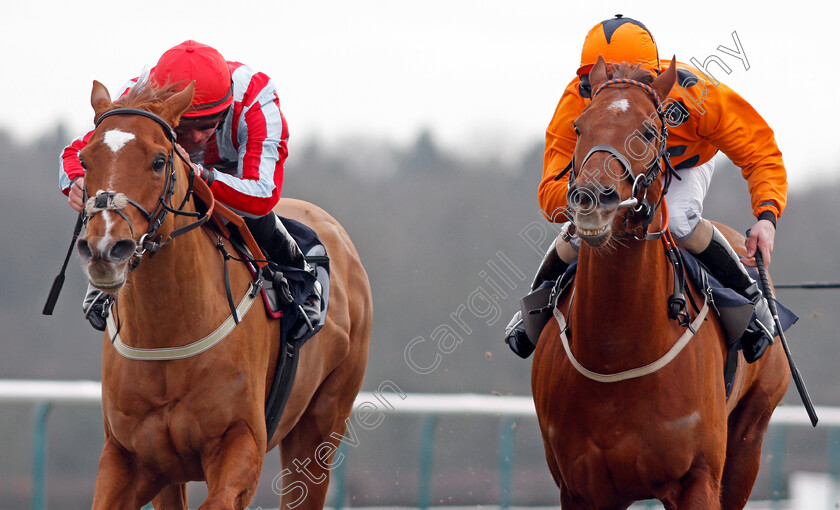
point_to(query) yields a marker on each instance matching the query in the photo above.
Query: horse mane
(632, 72)
(145, 96)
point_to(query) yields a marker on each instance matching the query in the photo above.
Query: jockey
(236, 138)
(703, 116)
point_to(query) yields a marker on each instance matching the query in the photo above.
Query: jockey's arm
(70, 171)
(732, 125)
(255, 189)
(560, 139)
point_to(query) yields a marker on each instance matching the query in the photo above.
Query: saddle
(299, 284)
(734, 311)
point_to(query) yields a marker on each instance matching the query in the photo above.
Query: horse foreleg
(699, 489)
(308, 452)
(307, 456)
(567, 500)
(172, 497)
(119, 484)
(232, 468)
(747, 425)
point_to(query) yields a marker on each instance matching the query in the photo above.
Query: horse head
(131, 178)
(621, 142)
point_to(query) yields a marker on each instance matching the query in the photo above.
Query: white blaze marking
(115, 139)
(620, 105)
(106, 239)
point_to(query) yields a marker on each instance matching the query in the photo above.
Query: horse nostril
(609, 198)
(121, 250)
(582, 199)
(84, 250)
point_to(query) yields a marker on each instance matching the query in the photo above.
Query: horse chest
(161, 427)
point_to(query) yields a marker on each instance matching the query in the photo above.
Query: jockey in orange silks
(703, 117)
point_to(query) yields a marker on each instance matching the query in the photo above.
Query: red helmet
(195, 61)
(619, 40)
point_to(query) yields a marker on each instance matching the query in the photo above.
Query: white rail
(387, 399)
(89, 393)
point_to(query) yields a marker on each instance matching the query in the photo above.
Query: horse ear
(99, 99)
(598, 75)
(178, 103)
(665, 81)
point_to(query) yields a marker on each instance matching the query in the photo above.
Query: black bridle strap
(170, 133)
(156, 217)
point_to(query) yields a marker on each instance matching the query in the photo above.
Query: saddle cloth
(300, 281)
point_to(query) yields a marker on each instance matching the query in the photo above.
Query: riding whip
(59, 280)
(771, 302)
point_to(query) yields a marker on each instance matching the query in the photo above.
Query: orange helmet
(195, 61)
(619, 40)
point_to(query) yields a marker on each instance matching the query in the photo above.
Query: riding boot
(552, 267)
(280, 247)
(96, 306)
(725, 265)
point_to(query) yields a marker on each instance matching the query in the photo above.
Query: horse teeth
(591, 232)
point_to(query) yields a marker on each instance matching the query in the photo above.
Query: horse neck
(173, 288)
(620, 302)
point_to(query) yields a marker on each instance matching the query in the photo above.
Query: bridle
(109, 200)
(641, 181)
(640, 204)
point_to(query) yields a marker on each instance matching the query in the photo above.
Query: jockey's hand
(762, 235)
(195, 169)
(76, 195)
(186, 157)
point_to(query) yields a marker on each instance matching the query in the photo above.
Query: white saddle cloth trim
(186, 351)
(634, 372)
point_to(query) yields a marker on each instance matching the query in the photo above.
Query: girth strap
(186, 351)
(634, 372)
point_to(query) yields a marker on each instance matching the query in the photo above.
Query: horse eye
(577, 131)
(649, 134)
(82, 162)
(158, 164)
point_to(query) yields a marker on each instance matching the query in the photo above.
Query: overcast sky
(484, 75)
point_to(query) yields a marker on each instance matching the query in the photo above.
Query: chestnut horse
(668, 434)
(202, 417)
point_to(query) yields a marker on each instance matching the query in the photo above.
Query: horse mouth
(594, 237)
(110, 288)
(105, 285)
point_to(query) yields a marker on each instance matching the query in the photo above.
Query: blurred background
(420, 127)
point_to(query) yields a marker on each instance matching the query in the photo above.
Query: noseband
(641, 181)
(107, 200)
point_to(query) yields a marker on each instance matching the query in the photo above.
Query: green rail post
(834, 461)
(777, 479)
(506, 452)
(338, 474)
(427, 449)
(39, 456)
